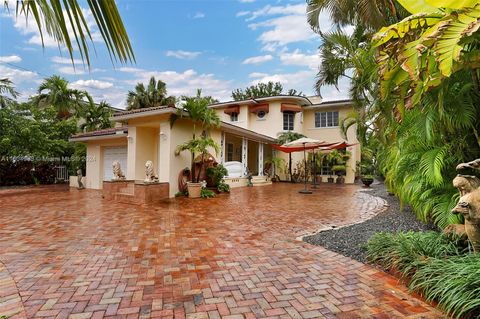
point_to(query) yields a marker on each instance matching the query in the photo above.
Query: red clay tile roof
(108, 131)
(143, 110)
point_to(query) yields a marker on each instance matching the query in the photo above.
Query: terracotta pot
(318, 179)
(340, 179)
(194, 189)
(331, 179)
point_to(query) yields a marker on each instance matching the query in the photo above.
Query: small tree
(198, 146)
(262, 90)
(196, 108)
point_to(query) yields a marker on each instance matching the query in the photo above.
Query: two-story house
(246, 134)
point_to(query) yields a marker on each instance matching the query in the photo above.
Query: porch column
(222, 148)
(164, 152)
(131, 153)
(244, 156)
(260, 159)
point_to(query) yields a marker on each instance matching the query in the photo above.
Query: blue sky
(216, 45)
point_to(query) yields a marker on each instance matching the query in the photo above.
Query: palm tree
(55, 17)
(286, 137)
(196, 108)
(96, 116)
(7, 88)
(371, 14)
(54, 91)
(155, 94)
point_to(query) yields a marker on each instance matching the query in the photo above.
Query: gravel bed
(350, 240)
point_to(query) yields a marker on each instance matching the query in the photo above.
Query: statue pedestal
(135, 192)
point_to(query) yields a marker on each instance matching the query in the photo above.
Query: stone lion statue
(468, 205)
(149, 173)
(117, 171)
(79, 179)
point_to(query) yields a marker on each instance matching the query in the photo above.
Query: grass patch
(439, 267)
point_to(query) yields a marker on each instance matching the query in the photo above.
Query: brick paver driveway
(71, 253)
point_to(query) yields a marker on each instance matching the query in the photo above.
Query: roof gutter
(97, 137)
(120, 117)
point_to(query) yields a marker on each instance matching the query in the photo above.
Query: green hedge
(26, 173)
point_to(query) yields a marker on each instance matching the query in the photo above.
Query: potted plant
(340, 171)
(367, 180)
(196, 108)
(197, 146)
(338, 162)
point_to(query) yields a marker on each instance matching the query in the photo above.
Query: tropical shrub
(216, 174)
(438, 266)
(223, 187)
(206, 193)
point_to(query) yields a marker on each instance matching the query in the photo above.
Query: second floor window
(234, 117)
(288, 120)
(326, 119)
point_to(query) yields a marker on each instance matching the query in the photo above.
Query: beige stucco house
(246, 134)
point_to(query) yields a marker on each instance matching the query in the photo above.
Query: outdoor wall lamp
(163, 135)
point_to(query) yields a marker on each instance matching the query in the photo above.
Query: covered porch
(245, 156)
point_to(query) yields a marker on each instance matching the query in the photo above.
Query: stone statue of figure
(79, 179)
(117, 172)
(468, 205)
(149, 173)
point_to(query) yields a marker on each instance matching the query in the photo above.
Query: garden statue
(149, 173)
(468, 204)
(117, 172)
(79, 179)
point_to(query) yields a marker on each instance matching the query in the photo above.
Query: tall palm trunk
(194, 179)
(290, 166)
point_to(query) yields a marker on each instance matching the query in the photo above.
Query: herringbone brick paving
(74, 255)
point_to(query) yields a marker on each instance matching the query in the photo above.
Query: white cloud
(258, 59)
(298, 9)
(10, 59)
(17, 76)
(242, 13)
(282, 25)
(199, 15)
(63, 60)
(246, 1)
(300, 59)
(70, 70)
(257, 75)
(183, 55)
(93, 84)
(183, 83)
(128, 69)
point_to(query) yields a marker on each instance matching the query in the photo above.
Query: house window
(326, 170)
(261, 114)
(229, 152)
(234, 117)
(288, 119)
(326, 119)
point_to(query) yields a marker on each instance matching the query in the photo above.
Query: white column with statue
(244, 156)
(222, 148)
